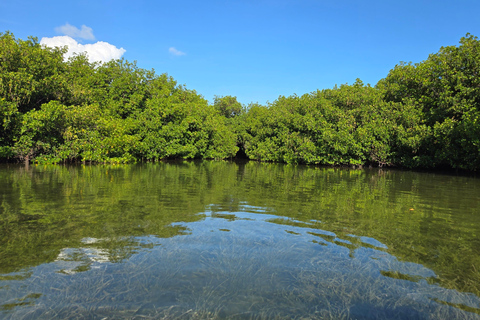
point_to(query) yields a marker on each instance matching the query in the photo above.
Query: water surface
(237, 240)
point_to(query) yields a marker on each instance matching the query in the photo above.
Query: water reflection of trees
(45, 210)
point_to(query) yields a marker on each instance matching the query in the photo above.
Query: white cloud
(99, 51)
(176, 52)
(72, 31)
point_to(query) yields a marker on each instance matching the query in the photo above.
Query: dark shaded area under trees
(423, 115)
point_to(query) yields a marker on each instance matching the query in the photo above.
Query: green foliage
(181, 124)
(30, 74)
(91, 135)
(347, 125)
(121, 88)
(420, 115)
(41, 132)
(228, 106)
(54, 110)
(446, 90)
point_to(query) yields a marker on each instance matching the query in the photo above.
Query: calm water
(208, 240)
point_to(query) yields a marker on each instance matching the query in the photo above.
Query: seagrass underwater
(220, 239)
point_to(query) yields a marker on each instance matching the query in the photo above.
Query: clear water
(226, 240)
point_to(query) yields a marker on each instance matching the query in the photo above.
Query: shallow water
(248, 240)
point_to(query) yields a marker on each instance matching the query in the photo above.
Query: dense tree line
(421, 115)
(54, 110)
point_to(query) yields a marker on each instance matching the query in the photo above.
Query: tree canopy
(422, 115)
(54, 110)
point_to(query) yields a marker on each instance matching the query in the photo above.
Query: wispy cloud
(72, 31)
(100, 51)
(176, 52)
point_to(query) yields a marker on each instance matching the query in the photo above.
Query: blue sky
(255, 50)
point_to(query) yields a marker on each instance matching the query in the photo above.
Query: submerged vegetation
(423, 115)
(250, 240)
